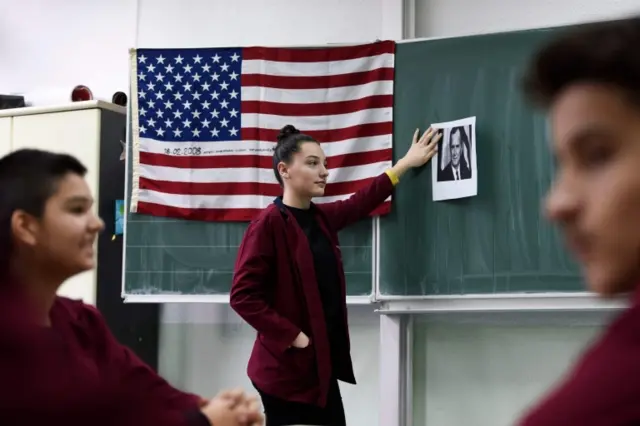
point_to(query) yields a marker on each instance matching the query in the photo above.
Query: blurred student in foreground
(59, 364)
(589, 81)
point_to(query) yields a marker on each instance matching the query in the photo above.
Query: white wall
(49, 46)
(255, 22)
(451, 18)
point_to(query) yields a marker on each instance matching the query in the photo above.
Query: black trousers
(279, 412)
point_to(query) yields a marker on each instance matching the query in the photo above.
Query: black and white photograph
(454, 167)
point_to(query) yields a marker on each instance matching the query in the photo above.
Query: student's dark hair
(28, 178)
(603, 52)
(289, 141)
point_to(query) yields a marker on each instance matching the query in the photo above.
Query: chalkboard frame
(490, 303)
(496, 303)
(128, 298)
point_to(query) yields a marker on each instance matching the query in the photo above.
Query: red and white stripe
(341, 96)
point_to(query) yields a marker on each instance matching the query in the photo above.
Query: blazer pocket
(303, 359)
(270, 347)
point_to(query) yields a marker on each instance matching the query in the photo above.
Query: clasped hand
(233, 408)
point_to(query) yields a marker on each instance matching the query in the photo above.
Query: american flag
(205, 121)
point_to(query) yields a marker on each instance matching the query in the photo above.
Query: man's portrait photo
(454, 169)
(455, 154)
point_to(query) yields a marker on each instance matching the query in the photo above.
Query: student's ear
(24, 227)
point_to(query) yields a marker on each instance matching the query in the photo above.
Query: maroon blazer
(604, 387)
(75, 373)
(275, 290)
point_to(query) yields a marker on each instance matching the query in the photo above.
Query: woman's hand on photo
(422, 149)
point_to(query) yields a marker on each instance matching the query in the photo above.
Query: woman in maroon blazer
(589, 80)
(289, 282)
(59, 364)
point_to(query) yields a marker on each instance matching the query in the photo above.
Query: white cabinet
(5, 135)
(77, 129)
(71, 132)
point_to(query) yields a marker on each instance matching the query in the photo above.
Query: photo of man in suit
(459, 156)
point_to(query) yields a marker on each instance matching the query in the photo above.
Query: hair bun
(287, 131)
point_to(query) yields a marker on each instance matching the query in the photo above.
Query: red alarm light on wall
(81, 93)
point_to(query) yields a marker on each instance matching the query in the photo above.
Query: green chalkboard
(179, 257)
(498, 241)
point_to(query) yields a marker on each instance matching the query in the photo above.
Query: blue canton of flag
(189, 95)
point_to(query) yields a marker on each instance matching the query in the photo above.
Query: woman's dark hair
(603, 52)
(289, 141)
(28, 178)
